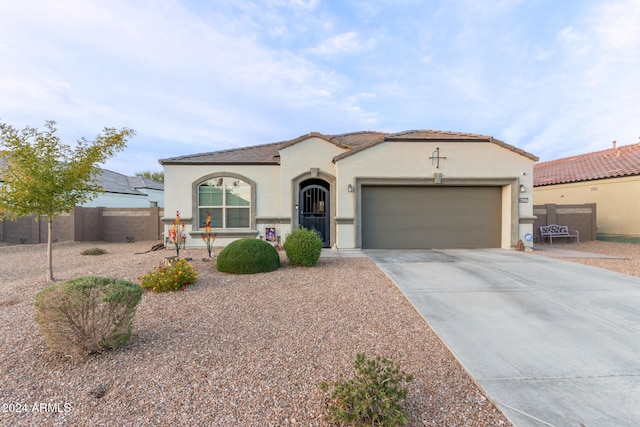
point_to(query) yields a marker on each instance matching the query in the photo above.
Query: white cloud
(543, 54)
(583, 96)
(193, 77)
(308, 5)
(615, 25)
(136, 51)
(345, 43)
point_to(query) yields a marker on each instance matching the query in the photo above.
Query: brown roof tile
(257, 154)
(436, 134)
(357, 139)
(611, 163)
(354, 141)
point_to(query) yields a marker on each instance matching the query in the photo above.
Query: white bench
(555, 230)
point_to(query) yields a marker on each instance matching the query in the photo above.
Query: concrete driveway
(552, 343)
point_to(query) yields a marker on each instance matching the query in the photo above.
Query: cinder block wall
(62, 228)
(22, 230)
(88, 225)
(576, 217)
(125, 224)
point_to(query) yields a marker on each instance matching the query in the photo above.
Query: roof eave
(438, 139)
(575, 181)
(309, 135)
(209, 163)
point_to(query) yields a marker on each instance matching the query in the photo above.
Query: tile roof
(611, 163)
(114, 182)
(354, 142)
(258, 154)
(141, 182)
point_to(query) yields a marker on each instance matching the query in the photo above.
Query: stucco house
(609, 178)
(128, 208)
(122, 191)
(414, 189)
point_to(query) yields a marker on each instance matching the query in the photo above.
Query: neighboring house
(609, 178)
(121, 191)
(132, 211)
(415, 189)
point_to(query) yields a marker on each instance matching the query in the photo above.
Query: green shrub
(94, 251)
(373, 398)
(303, 247)
(178, 274)
(248, 256)
(87, 315)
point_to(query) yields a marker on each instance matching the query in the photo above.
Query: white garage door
(406, 217)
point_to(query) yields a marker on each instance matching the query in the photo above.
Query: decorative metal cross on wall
(436, 157)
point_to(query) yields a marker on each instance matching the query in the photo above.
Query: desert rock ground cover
(627, 255)
(231, 350)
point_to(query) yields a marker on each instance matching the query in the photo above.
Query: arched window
(227, 199)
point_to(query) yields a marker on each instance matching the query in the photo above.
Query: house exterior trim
(194, 197)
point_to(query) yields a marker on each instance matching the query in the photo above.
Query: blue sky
(555, 78)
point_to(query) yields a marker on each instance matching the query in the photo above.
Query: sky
(554, 78)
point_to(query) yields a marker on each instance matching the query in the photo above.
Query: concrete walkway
(341, 253)
(552, 343)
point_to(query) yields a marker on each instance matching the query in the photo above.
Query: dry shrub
(87, 315)
(374, 397)
(93, 251)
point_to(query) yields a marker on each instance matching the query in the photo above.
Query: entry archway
(314, 199)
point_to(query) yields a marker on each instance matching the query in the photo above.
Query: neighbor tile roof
(142, 182)
(611, 163)
(114, 182)
(354, 142)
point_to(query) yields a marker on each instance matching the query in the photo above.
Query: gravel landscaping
(627, 255)
(230, 350)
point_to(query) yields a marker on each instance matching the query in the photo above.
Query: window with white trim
(228, 199)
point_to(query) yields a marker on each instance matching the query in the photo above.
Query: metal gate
(313, 211)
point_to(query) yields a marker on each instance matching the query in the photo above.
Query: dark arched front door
(313, 209)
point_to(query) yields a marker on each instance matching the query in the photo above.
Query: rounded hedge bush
(248, 256)
(87, 314)
(303, 247)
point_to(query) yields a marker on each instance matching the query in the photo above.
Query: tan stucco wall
(179, 195)
(274, 194)
(297, 161)
(466, 163)
(617, 202)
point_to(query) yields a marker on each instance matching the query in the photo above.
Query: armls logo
(51, 407)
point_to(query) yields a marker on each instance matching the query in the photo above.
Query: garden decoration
(208, 236)
(177, 236)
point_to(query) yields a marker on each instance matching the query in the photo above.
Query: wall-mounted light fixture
(522, 188)
(350, 188)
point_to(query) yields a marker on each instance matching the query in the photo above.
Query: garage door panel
(430, 217)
